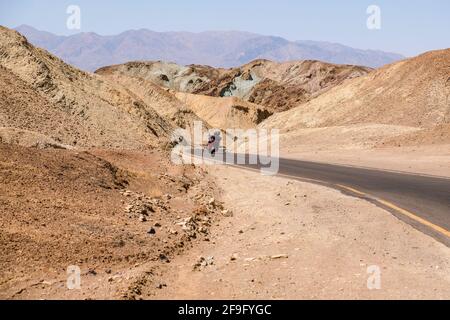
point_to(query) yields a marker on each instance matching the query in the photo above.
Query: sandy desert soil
(293, 240)
(105, 211)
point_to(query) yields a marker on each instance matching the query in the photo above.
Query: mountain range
(90, 51)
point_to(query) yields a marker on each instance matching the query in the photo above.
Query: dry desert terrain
(86, 179)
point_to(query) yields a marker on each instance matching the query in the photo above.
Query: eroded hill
(411, 95)
(226, 112)
(85, 180)
(43, 94)
(275, 86)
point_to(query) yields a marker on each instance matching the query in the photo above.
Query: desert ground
(86, 179)
(294, 240)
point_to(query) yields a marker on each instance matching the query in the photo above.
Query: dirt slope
(438, 135)
(225, 113)
(413, 92)
(28, 138)
(41, 93)
(403, 104)
(95, 210)
(276, 86)
(164, 102)
(28, 118)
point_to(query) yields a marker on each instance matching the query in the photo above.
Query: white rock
(279, 256)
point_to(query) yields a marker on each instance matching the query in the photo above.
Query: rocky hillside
(276, 86)
(411, 94)
(414, 92)
(85, 180)
(162, 100)
(225, 113)
(42, 94)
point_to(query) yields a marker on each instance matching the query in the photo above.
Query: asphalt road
(420, 200)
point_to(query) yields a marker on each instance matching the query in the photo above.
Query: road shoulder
(294, 240)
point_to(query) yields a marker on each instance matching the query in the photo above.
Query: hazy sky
(407, 26)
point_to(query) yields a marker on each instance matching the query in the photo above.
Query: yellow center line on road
(351, 189)
(402, 211)
(416, 218)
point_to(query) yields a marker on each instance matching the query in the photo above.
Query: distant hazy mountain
(90, 51)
